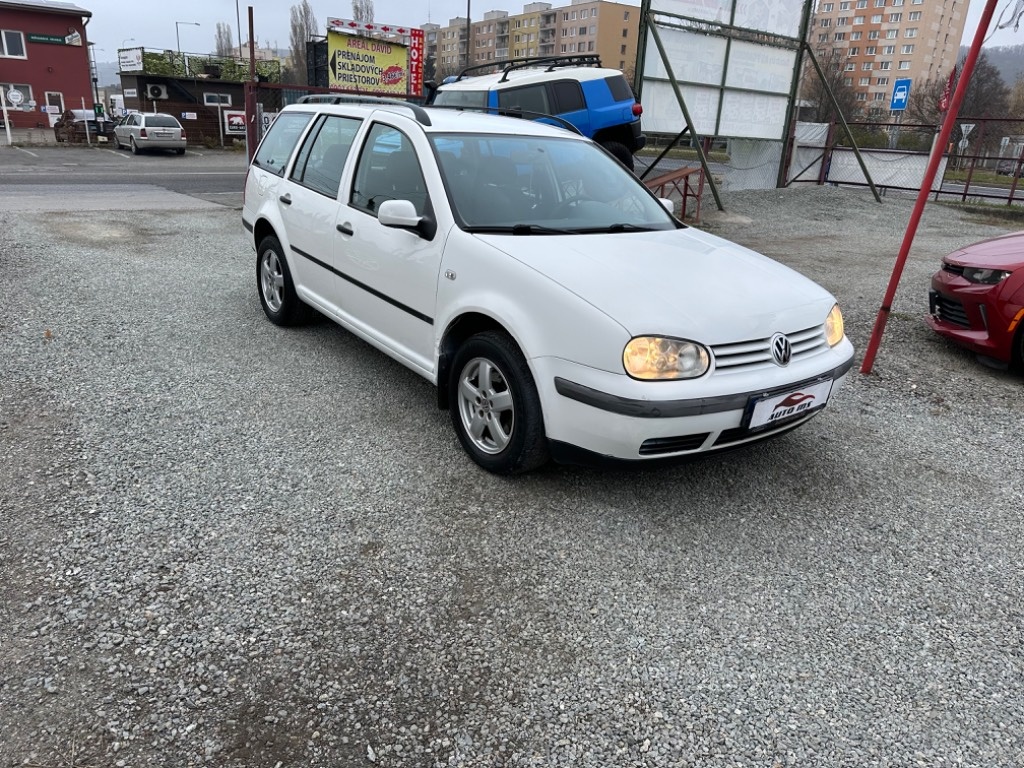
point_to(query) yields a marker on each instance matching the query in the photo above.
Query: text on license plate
(792, 403)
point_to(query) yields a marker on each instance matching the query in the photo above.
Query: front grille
(757, 353)
(955, 269)
(950, 311)
(659, 445)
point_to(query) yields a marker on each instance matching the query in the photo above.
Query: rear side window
(568, 96)
(620, 88)
(277, 145)
(472, 99)
(530, 99)
(323, 156)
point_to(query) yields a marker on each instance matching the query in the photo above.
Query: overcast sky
(116, 24)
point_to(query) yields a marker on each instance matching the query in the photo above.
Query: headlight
(834, 326)
(984, 276)
(653, 357)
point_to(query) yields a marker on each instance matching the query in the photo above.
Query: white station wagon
(559, 308)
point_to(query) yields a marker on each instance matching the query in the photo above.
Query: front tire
(275, 287)
(621, 153)
(133, 146)
(496, 411)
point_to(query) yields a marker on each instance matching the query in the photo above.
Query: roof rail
(419, 113)
(512, 112)
(551, 62)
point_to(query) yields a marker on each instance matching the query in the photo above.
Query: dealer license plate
(788, 404)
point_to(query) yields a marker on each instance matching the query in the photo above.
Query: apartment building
(876, 42)
(607, 29)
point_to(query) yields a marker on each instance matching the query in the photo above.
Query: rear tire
(117, 142)
(495, 408)
(180, 151)
(275, 287)
(621, 153)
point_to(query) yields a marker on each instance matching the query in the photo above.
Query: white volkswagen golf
(559, 308)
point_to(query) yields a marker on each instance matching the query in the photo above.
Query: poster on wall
(234, 122)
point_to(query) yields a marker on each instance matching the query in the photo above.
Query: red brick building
(44, 54)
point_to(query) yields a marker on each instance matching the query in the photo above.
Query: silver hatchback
(150, 130)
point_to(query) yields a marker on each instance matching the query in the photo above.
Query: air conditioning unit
(157, 91)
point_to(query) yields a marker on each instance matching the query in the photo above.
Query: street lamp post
(238, 22)
(127, 40)
(177, 32)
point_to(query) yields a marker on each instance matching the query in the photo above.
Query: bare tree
(362, 11)
(837, 80)
(225, 45)
(303, 29)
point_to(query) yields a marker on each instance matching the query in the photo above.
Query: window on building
(844, 6)
(625, 33)
(826, 7)
(912, 32)
(583, 31)
(848, 81)
(625, 15)
(879, 96)
(822, 38)
(870, 50)
(24, 90)
(826, 22)
(840, 36)
(867, 66)
(855, 51)
(862, 97)
(842, 21)
(862, 3)
(850, 66)
(12, 44)
(873, 34)
(876, 18)
(879, 3)
(907, 49)
(884, 65)
(856, 35)
(213, 99)
(882, 81)
(891, 34)
(593, 29)
(864, 81)
(888, 50)
(904, 65)
(590, 46)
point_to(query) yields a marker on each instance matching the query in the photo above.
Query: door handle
(345, 229)
(286, 199)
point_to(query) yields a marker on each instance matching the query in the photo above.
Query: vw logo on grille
(782, 350)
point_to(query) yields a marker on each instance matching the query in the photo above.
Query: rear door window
(531, 99)
(568, 96)
(277, 145)
(322, 158)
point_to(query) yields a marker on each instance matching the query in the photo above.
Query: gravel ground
(228, 544)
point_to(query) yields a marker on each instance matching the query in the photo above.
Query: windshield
(527, 185)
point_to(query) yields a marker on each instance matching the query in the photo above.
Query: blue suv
(576, 89)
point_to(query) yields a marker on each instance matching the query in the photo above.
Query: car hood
(679, 282)
(1004, 252)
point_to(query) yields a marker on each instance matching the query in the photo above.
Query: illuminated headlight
(653, 357)
(984, 276)
(834, 326)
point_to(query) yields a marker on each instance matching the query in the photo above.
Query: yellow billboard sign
(367, 64)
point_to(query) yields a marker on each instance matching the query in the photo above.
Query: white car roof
(528, 75)
(442, 120)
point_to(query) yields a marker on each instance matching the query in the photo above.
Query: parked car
(1008, 168)
(977, 299)
(72, 125)
(557, 305)
(597, 100)
(150, 130)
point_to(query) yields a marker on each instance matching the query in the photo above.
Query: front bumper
(965, 314)
(613, 418)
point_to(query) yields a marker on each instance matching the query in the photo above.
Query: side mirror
(668, 205)
(398, 213)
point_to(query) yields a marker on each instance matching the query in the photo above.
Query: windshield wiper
(625, 227)
(518, 229)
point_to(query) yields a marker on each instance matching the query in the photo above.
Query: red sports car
(977, 298)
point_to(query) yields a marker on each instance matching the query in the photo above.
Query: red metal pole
(926, 186)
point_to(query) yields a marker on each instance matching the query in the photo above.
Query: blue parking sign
(900, 94)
